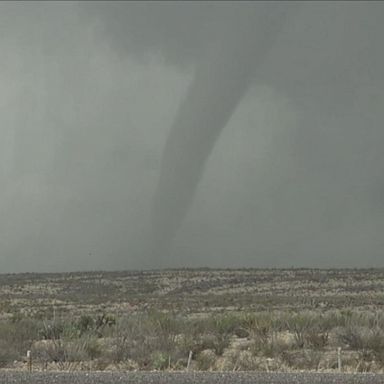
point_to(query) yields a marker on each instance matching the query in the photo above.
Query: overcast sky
(91, 92)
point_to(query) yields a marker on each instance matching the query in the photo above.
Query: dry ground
(246, 319)
(203, 290)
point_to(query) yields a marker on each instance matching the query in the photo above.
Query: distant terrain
(217, 320)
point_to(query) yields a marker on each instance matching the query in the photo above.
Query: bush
(17, 337)
(353, 337)
(92, 347)
(67, 354)
(160, 360)
(302, 359)
(7, 354)
(206, 359)
(85, 324)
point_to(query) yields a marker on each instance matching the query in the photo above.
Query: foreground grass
(289, 336)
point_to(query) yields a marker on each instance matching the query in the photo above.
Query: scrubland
(237, 320)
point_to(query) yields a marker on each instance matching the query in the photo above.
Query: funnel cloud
(183, 134)
(220, 81)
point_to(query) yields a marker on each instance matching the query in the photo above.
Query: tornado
(241, 40)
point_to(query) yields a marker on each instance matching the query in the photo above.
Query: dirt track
(187, 378)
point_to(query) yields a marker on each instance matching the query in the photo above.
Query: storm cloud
(91, 92)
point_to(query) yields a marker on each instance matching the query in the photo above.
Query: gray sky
(91, 93)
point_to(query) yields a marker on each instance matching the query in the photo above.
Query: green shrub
(160, 360)
(85, 324)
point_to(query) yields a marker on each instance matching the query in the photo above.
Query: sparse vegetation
(154, 325)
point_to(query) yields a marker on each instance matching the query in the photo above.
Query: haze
(179, 134)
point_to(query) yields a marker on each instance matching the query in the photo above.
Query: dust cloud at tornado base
(92, 91)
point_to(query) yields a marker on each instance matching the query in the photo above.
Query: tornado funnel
(220, 81)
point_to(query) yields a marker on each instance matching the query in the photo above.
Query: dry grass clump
(206, 359)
